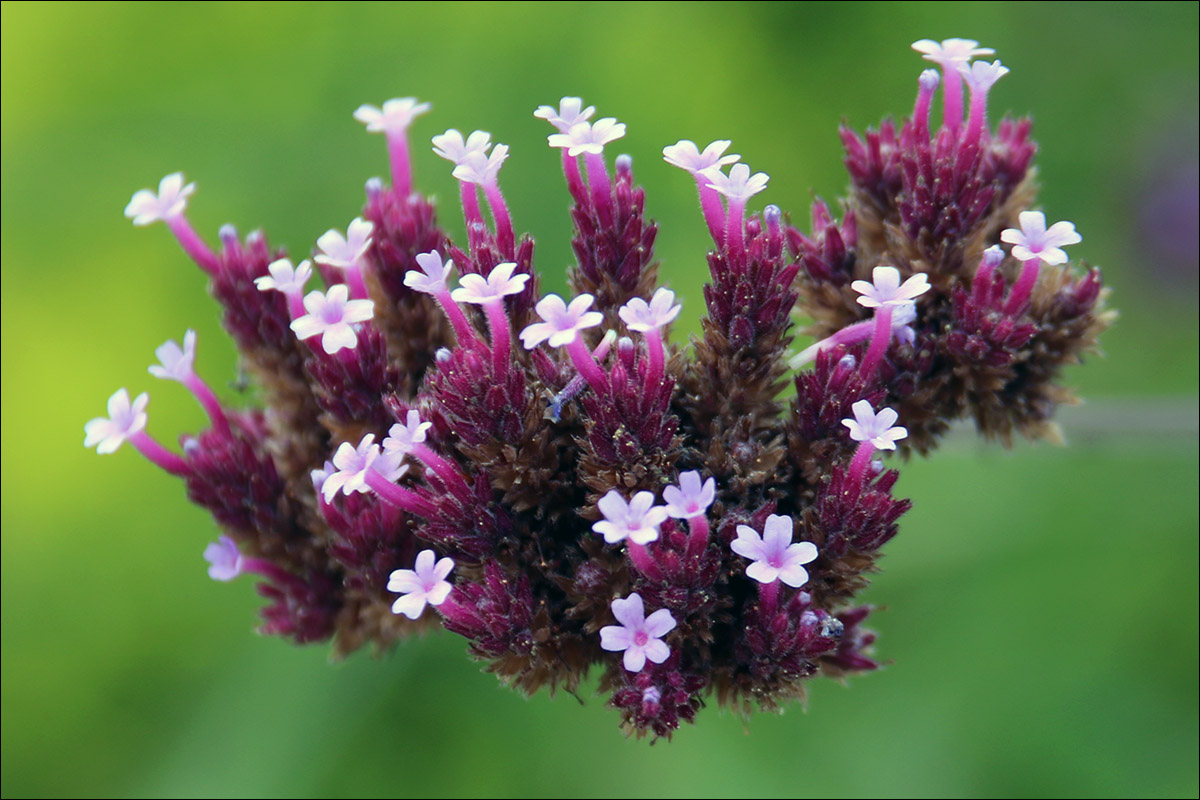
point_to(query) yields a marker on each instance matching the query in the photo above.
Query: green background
(1042, 603)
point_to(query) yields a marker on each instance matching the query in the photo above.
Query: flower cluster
(555, 480)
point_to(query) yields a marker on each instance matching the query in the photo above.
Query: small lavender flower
(1034, 240)
(332, 315)
(424, 584)
(355, 465)
(570, 112)
(224, 559)
(686, 155)
(885, 288)
(125, 419)
(637, 520)
(774, 556)
(588, 138)
(498, 284)
(147, 207)
(880, 430)
(690, 498)
(638, 635)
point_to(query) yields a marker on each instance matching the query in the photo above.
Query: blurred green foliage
(1042, 622)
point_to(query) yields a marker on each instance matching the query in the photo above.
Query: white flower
(1033, 240)
(775, 557)
(395, 116)
(124, 419)
(739, 184)
(886, 289)
(637, 520)
(175, 363)
(403, 438)
(224, 559)
(481, 169)
(146, 207)
(432, 277)
(425, 584)
(284, 277)
(499, 284)
(638, 635)
(685, 155)
(867, 426)
(352, 464)
(345, 251)
(450, 145)
(951, 52)
(689, 499)
(333, 315)
(587, 137)
(980, 75)
(570, 112)
(562, 322)
(643, 317)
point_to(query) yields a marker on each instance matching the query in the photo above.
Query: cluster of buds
(553, 479)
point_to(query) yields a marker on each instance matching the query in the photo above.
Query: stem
(574, 180)
(192, 244)
(698, 535)
(734, 227)
(714, 212)
(157, 454)
(658, 355)
(860, 463)
(768, 595)
(462, 329)
(501, 336)
(505, 239)
(977, 119)
(1023, 288)
(401, 498)
(600, 188)
(880, 339)
(585, 362)
(442, 467)
(401, 167)
(471, 213)
(358, 286)
(208, 399)
(576, 384)
(952, 95)
(642, 559)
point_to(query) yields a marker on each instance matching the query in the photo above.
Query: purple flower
(452, 147)
(341, 251)
(561, 323)
(433, 275)
(424, 584)
(690, 498)
(124, 420)
(949, 53)
(353, 464)
(499, 283)
(283, 277)
(739, 184)
(402, 439)
(331, 315)
(637, 520)
(1033, 240)
(570, 112)
(867, 426)
(685, 155)
(175, 363)
(146, 207)
(224, 559)
(638, 635)
(641, 316)
(395, 116)
(775, 557)
(886, 289)
(588, 137)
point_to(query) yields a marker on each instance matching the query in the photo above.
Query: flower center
(641, 638)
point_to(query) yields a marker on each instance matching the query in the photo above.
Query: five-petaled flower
(332, 315)
(637, 520)
(1034, 240)
(570, 112)
(402, 438)
(424, 584)
(867, 426)
(124, 420)
(431, 279)
(686, 155)
(175, 362)
(224, 559)
(638, 635)
(353, 463)
(588, 137)
(395, 116)
(283, 277)
(640, 316)
(146, 207)
(739, 184)
(480, 168)
(885, 288)
(981, 76)
(345, 251)
(499, 283)
(690, 498)
(561, 323)
(452, 147)
(948, 53)
(774, 555)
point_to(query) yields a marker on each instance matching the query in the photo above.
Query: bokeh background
(1041, 622)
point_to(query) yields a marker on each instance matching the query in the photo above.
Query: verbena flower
(517, 487)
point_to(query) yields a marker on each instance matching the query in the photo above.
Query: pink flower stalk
(474, 167)
(332, 315)
(737, 187)
(169, 205)
(886, 294)
(283, 277)
(409, 437)
(569, 114)
(638, 635)
(588, 139)
(980, 76)
(1032, 244)
(873, 432)
(126, 421)
(774, 556)
(927, 84)
(178, 364)
(687, 156)
(902, 316)
(690, 500)
(346, 253)
(423, 585)
(393, 120)
(561, 327)
(490, 294)
(431, 279)
(950, 54)
(649, 319)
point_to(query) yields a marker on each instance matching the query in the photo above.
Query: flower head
(332, 315)
(402, 439)
(395, 116)
(424, 584)
(481, 169)
(638, 635)
(499, 283)
(345, 251)
(146, 207)
(562, 323)
(739, 184)
(352, 464)
(432, 277)
(690, 498)
(451, 146)
(867, 426)
(1033, 240)
(175, 362)
(570, 112)
(124, 419)
(588, 137)
(981, 75)
(642, 317)
(224, 559)
(637, 520)
(886, 289)
(949, 53)
(774, 555)
(685, 155)
(284, 277)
